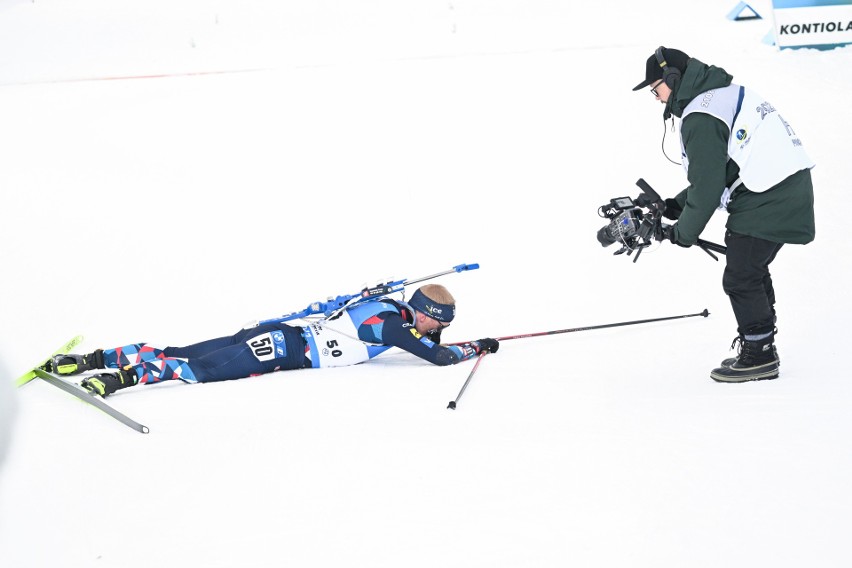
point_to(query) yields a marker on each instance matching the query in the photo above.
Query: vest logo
(741, 134)
(765, 109)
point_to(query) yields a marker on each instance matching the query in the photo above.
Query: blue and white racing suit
(357, 334)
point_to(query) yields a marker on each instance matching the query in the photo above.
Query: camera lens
(605, 236)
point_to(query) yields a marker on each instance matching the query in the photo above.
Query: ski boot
(70, 364)
(104, 384)
(757, 361)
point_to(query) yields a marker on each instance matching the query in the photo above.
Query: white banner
(822, 24)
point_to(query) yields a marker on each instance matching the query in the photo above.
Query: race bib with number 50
(268, 346)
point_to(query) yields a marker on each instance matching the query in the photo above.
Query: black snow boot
(737, 344)
(105, 384)
(757, 361)
(70, 364)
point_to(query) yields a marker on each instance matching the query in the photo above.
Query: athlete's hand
(487, 344)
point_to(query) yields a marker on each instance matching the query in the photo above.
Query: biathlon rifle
(337, 303)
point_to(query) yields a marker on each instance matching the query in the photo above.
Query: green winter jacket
(782, 214)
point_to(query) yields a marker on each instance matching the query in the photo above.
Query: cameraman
(740, 155)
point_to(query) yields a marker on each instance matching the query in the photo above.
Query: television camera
(637, 223)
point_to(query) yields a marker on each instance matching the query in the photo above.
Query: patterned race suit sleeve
(397, 332)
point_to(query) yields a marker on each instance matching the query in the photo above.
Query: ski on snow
(89, 398)
(75, 389)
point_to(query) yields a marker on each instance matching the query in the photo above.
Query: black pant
(748, 284)
(254, 351)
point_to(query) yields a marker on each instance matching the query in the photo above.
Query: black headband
(435, 310)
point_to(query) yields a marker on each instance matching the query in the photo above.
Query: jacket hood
(699, 77)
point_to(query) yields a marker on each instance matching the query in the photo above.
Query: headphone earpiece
(671, 75)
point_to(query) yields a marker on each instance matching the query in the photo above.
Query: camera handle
(656, 202)
(707, 246)
(648, 230)
(651, 199)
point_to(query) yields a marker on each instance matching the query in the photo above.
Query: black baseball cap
(653, 71)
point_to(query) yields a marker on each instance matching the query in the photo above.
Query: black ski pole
(452, 404)
(705, 313)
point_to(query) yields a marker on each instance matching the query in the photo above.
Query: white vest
(763, 144)
(335, 346)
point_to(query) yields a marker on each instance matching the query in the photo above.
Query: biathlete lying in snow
(353, 335)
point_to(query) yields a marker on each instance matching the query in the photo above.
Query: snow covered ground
(295, 151)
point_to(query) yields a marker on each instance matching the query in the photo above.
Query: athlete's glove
(486, 344)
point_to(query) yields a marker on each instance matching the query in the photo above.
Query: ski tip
(25, 378)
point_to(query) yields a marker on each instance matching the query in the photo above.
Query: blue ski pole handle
(332, 305)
